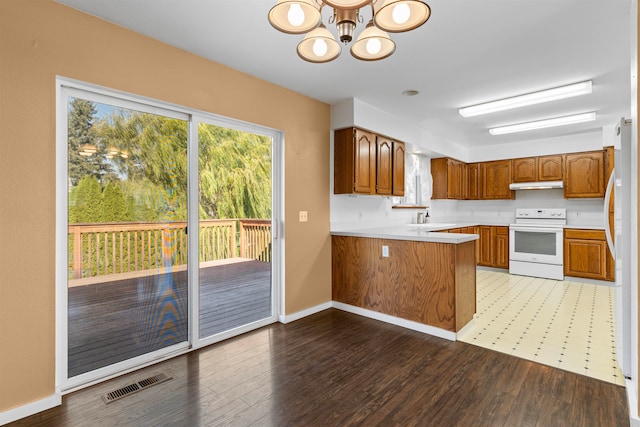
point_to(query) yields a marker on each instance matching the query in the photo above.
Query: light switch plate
(303, 216)
(385, 251)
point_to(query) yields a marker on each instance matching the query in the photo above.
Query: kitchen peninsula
(408, 275)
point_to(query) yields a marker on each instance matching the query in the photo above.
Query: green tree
(235, 173)
(85, 201)
(152, 159)
(113, 206)
(82, 135)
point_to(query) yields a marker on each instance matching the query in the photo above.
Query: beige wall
(40, 39)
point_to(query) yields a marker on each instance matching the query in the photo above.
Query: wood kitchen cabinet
(366, 163)
(608, 170)
(384, 166)
(495, 178)
(448, 177)
(586, 255)
(398, 168)
(493, 250)
(550, 168)
(472, 188)
(584, 175)
(525, 170)
(543, 168)
(501, 236)
(485, 256)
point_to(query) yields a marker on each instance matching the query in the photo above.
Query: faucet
(420, 219)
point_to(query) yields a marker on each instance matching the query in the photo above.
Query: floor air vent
(130, 389)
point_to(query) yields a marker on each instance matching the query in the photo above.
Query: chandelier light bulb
(401, 13)
(320, 47)
(373, 46)
(295, 15)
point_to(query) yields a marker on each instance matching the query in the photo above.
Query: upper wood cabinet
(384, 166)
(365, 163)
(584, 175)
(550, 168)
(354, 162)
(472, 188)
(398, 168)
(525, 170)
(447, 177)
(496, 177)
(532, 169)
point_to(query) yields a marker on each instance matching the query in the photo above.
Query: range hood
(542, 185)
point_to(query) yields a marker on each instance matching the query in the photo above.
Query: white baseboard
(23, 411)
(409, 324)
(632, 401)
(288, 318)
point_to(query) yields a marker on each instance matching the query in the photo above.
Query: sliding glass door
(164, 231)
(127, 289)
(235, 240)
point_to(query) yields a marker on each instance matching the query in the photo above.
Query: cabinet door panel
(486, 246)
(584, 175)
(550, 168)
(496, 177)
(398, 168)
(454, 179)
(384, 166)
(525, 170)
(501, 247)
(473, 181)
(365, 162)
(585, 258)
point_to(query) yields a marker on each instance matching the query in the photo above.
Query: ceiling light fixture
(561, 92)
(319, 45)
(541, 124)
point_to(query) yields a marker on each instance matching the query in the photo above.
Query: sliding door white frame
(68, 87)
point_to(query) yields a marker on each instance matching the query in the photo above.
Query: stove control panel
(554, 213)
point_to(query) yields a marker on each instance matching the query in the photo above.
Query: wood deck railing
(112, 248)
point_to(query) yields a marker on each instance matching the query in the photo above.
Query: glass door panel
(127, 242)
(235, 247)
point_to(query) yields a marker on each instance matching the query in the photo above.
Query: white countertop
(427, 232)
(414, 232)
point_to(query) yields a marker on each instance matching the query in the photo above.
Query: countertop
(426, 232)
(414, 232)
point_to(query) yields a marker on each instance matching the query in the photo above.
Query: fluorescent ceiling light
(561, 92)
(541, 124)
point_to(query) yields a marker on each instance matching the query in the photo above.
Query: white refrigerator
(619, 239)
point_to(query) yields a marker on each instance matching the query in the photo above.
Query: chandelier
(373, 43)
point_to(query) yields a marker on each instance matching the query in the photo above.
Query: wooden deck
(115, 321)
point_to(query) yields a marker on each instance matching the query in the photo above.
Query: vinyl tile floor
(564, 324)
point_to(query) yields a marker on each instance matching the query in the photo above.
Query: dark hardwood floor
(340, 369)
(115, 321)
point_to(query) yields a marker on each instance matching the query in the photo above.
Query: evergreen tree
(85, 201)
(82, 116)
(114, 205)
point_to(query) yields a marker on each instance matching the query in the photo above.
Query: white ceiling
(469, 51)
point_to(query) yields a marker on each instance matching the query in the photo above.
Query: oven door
(537, 244)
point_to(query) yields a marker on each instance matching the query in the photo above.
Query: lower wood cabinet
(587, 255)
(493, 246)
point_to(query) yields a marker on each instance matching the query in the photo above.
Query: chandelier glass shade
(373, 43)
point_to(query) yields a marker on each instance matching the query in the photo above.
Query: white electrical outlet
(385, 251)
(303, 216)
